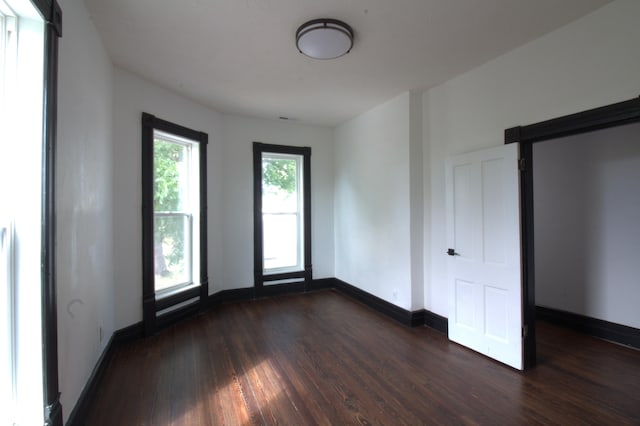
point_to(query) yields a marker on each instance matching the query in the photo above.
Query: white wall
(372, 202)
(237, 234)
(417, 212)
(587, 205)
(230, 187)
(132, 96)
(84, 197)
(589, 63)
(368, 237)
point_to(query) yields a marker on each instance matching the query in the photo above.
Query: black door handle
(452, 252)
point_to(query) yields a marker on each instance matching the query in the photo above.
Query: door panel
(492, 212)
(484, 274)
(463, 241)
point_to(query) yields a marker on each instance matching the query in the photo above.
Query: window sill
(173, 296)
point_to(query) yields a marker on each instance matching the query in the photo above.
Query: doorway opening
(614, 115)
(587, 201)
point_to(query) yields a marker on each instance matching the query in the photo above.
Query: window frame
(260, 276)
(165, 307)
(299, 213)
(191, 213)
(52, 15)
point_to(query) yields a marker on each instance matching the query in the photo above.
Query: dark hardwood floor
(322, 358)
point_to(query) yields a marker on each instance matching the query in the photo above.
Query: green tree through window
(174, 228)
(167, 197)
(281, 214)
(279, 173)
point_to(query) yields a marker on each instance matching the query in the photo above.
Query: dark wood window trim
(52, 14)
(594, 119)
(198, 295)
(307, 274)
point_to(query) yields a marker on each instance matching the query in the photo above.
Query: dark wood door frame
(587, 121)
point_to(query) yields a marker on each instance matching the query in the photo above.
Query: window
(7, 282)
(175, 212)
(29, 34)
(282, 212)
(174, 220)
(282, 216)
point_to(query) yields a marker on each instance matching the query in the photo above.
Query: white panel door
(484, 269)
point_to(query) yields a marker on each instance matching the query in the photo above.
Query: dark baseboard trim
(323, 284)
(389, 309)
(437, 322)
(88, 394)
(250, 293)
(270, 290)
(232, 295)
(417, 317)
(135, 331)
(119, 338)
(410, 318)
(128, 334)
(617, 333)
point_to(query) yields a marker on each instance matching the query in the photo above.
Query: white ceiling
(239, 56)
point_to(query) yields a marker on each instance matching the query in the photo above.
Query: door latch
(452, 252)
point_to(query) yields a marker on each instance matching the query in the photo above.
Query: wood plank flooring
(322, 358)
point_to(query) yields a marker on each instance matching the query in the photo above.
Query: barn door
(483, 253)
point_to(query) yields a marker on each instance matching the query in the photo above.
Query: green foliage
(166, 198)
(279, 174)
(166, 191)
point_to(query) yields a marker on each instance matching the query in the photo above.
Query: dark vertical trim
(617, 114)
(148, 279)
(258, 266)
(204, 270)
(308, 267)
(150, 306)
(52, 14)
(259, 277)
(527, 253)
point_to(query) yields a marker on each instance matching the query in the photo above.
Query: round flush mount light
(324, 38)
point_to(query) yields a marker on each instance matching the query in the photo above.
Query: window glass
(175, 205)
(21, 213)
(282, 212)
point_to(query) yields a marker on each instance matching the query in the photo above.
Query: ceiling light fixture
(324, 38)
